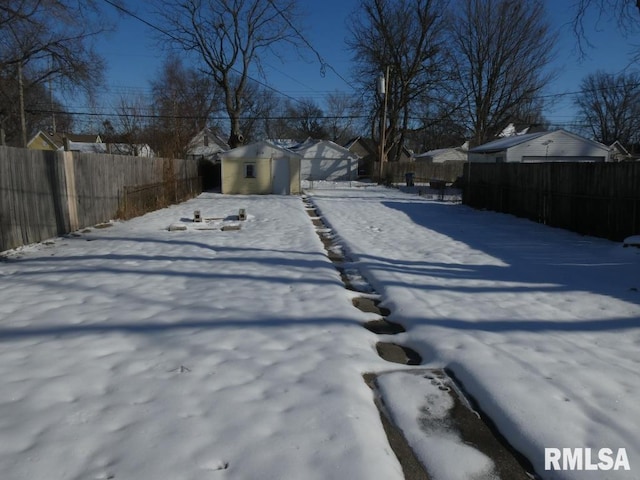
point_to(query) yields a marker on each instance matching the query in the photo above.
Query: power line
(323, 63)
(140, 19)
(145, 116)
(178, 40)
(185, 117)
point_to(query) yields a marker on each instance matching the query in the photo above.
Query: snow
(135, 352)
(633, 240)
(432, 433)
(541, 325)
(138, 352)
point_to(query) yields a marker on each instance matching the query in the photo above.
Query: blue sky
(134, 58)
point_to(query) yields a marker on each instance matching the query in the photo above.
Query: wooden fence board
(394, 172)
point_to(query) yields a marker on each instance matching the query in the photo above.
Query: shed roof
(260, 149)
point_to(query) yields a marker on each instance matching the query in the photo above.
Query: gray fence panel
(44, 194)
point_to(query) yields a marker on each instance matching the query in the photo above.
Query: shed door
(280, 175)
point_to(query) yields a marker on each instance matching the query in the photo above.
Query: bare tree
(43, 40)
(39, 112)
(609, 107)
(626, 14)
(133, 121)
(501, 50)
(52, 38)
(260, 107)
(183, 100)
(405, 38)
(274, 125)
(229, 37)
(441, 126)
(306, 119)
(341, 113)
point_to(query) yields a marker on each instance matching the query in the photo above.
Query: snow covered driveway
(133, 352)
(542, 326)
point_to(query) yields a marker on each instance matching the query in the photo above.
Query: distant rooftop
(506, 142)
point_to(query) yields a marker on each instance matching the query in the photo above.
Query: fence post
(72, 196)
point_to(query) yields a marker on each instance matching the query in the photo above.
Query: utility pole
(53, 114)
(383, 87)
(23, 120)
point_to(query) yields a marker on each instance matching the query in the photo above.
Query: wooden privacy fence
(44, 194)
(394, 172)
(139, 199)
(599, 199)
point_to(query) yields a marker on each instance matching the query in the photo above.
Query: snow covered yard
(541, 326)
(134, 352)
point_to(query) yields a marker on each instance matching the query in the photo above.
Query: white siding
(329, 169)
(558, 146)
(325, 160)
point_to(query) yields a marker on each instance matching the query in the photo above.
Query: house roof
(206, 143)
(140, 149)
(284, 142)
(506, 142)
(619, 147)
(366, 143)
(56, 140)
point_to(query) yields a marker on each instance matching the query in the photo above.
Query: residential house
(617, 153)
(553, 146)
(368, 153)
(260, 168)
(126, 149)
(56, 141)
(205, 147)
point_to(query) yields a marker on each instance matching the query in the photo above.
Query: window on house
(249, 170)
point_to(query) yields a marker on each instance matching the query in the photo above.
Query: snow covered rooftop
(507, 142)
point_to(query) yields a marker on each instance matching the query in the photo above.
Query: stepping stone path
(369, 301)
(475, 429)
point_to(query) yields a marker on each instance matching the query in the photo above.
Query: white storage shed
(326, 160)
